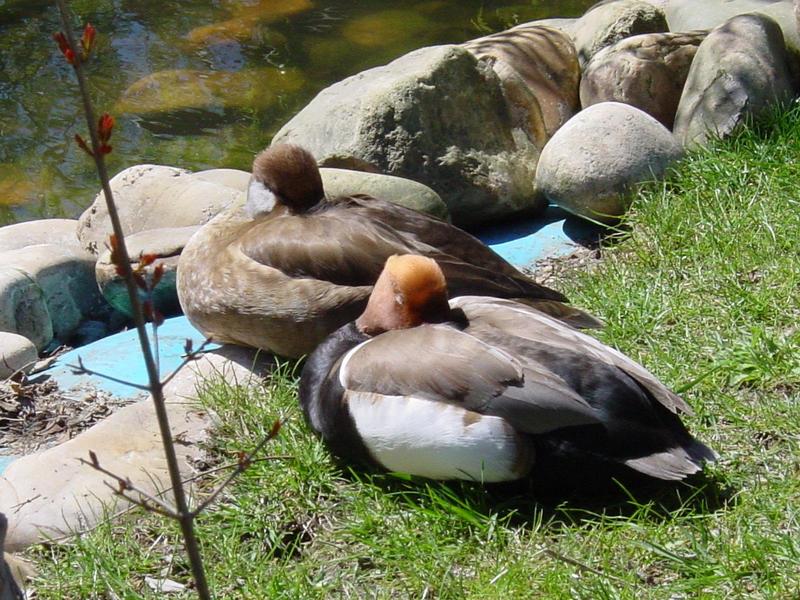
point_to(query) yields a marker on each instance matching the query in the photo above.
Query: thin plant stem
(186, 517)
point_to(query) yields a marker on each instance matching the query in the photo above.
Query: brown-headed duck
(293, 266)
(481, 388)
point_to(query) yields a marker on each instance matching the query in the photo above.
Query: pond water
(197, 84)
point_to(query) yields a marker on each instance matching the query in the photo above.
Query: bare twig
(244, 462)
(185, 517)
(124, 484)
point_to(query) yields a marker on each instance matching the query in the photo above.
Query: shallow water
(197, 84)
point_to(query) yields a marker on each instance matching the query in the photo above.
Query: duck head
(410, 290)
(285, 175)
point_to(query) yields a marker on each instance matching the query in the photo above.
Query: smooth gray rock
(436, 115)
(23, 308)
(607, 23)
(646, 71)
(741, 69)
(65, 276)
(592, 162)
(156, 196)
(16, 353)
(686, 15)
(166, 244)
(539, 70)
(43, 231)
(405, 192)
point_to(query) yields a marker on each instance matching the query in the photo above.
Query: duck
(292, 266)
(483, 389)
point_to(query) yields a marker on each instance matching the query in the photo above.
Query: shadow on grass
(538, 500)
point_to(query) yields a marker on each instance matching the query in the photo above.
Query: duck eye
(399, 300)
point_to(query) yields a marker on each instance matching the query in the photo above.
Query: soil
(36, 414)
(552, 271)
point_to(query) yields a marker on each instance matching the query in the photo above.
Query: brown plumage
(486, 390)
(293, 266)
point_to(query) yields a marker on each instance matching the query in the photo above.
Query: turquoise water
(196, 84)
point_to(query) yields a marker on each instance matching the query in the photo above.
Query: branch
(244, 462)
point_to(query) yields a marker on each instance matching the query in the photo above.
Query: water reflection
(197, 84)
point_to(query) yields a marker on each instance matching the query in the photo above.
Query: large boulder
(646, 71)
(741, 69)
(685, 15)
(591, 164)
(43, 231)
(436, 115)
(539, 70)
(65, 278)
(154, 197)
(607, 23)
(16, 353)
(23, 309)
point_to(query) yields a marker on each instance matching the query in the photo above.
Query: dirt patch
(35, 415)
(552, 271)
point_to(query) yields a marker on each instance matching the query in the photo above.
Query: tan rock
(42, 231)
(154, 197)
(16, 353)
(539, 70)
(52, 495)
(646, 71)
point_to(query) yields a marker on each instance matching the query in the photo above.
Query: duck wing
(492, 315)
(443, 364)
(451, 241)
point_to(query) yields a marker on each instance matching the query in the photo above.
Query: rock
(246, 18)
(16, 353)
(591, 163)
(9, 590)
(88, 332)
(683, 15)
(435, 115)
(65, 278)
(646, 71)
(23, 309)
(607, 23)
(45, 231)
(51, 495)
(165, 96)
(166, 244)
(539, 70)
(742, 68)
(232, 178)
(154, 197)
(344, 182)
(563, 24)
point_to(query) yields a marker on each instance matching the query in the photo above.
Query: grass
(702, 288)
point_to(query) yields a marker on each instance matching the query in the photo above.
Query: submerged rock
(741, 69)
(246, 18)
(607, 23)
(162, 95)
(646, 71)
(436, 115)
(539, 70)
(591, 164)
(388, 28)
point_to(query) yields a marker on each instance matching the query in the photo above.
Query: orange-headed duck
(293, 266)
(482, 388)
